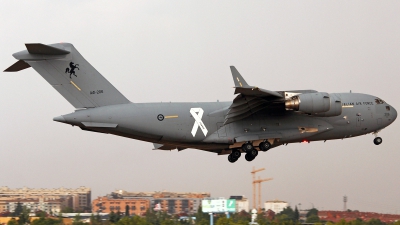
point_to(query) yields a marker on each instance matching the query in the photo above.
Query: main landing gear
(265, 146)
(251, 152)
(234, 156)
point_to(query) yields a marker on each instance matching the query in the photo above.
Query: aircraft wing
(250, 100)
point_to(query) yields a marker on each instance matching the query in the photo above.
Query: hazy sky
(181, 51)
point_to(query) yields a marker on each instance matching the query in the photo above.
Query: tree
(225, 221)
(357, 221)
(92, 219)
(313, 219)
(375, 222)
(40, 213)
(78, 220)
(98, 218)
(312, 211)
(24, 216)
(18, 209)
(67, 210)
(286, 215)
(202, 218)
(296, 214)
(127, 210)
(112, 217)
(12, 222)
(46, 221)
(117, 216)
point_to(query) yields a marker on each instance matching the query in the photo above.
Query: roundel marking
(160, 117)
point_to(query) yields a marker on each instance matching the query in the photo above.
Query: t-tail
(69, 73)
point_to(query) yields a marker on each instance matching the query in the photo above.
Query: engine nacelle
(311, 103)
(336, 107)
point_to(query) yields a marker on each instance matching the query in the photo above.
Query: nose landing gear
(378, 141)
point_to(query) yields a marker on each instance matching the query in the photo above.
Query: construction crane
(259, 181)
(253, 172)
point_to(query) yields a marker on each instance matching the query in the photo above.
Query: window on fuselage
(379, 101)
(388, 108)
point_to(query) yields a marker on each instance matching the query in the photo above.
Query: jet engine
(319, 104)
(309, 103)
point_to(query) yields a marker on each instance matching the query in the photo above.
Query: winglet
(237, 78)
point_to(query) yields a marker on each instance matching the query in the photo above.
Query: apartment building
(170, 202)
(78, 199)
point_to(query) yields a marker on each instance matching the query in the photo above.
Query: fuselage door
(221, 130)
(358, 122)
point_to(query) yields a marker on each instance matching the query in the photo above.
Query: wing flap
(250, 100)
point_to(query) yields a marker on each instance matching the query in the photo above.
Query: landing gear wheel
(249, 157)
(265, 146)
(246, 147)
(236, 153)
(232, 159)
(378, 140)
(253, 153)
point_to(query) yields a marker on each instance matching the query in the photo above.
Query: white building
(276, 205)
(51, 206)
(242, 203)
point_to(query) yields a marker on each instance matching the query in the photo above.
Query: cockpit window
(379, 101)
(388, 108)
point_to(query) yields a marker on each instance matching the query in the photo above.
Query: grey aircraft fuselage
(257, 119)
(360, 115)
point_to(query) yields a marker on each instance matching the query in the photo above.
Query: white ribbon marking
(197, 114)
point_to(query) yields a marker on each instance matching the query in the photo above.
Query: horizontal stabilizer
(18, 66)
(44, 49)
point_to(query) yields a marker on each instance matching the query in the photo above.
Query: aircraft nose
(394, 114)
(59, 119)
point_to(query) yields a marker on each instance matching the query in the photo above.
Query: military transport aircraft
(257, 119)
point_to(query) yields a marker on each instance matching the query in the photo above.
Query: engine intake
(312, 103)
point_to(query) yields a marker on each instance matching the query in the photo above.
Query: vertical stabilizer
(63, 67)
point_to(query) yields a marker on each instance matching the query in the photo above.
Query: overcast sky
(181, 51)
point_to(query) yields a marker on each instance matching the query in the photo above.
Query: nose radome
(394, 114)
(59, 119)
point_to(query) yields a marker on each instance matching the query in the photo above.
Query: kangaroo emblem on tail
(71, 70)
